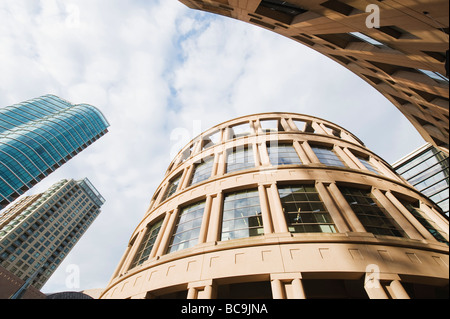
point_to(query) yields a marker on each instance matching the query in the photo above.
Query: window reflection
(304, 210)
(327, 156)
(147, 243)
(282, 154)
(372, 215)
(240, 158)
(242, 215)
(202, 170)
(187, 229)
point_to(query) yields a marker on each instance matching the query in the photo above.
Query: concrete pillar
(205, 220)
(215, 218)
(338, 220)
(309, 151)
(398, 291)
(160, 235)
(264, 203)
(301, 153)
(346, 210)
(279, 220)
(405, 212)
(396, 215)
(297, 289)
(167, 232)
(277, 289)
(375, 290)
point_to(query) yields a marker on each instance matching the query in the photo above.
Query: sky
(162, 73)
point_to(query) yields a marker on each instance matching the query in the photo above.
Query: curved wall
(277, 205)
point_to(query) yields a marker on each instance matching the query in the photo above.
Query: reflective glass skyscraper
(38, 136)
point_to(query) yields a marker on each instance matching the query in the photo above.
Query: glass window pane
(327, 156)
(147, 244)
(202, 170)
(283, 154)
(240, 158)
(241, 215)
(187, 229)
(304, 210)
(370, 213)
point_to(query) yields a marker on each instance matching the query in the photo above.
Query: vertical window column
(267, 220)
(402, 221)
(276, 209)
(324, 193)
(167, 232)
(205, 221)
(347, 212)
(301, 152)
(213, 233)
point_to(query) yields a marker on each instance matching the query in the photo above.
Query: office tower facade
(283, 205)
(403, 58)
(40, 135)
(427, 170)
(39, 237)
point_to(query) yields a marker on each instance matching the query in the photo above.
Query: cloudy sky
(161, 73)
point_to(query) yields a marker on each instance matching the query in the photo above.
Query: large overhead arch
(404, 57)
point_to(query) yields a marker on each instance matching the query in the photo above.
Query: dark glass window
(147, 243)
(283, 6)
(187, 229)
(327, 156)
(240, 158)
(425, 221)
(371, 214)
(172, 188)
(368, 165)
(202, 170)
(242, 215)
(304, 210)
(283, 154)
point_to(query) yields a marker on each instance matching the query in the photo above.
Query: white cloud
(152, 67)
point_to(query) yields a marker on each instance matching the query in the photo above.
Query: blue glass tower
(38, 136)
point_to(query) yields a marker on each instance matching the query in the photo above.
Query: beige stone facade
(283, 205)
(403, 58)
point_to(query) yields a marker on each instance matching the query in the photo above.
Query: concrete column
(398, 291)
(118, 269)
(205, 220)
(436, 217)
(354, 159)
(309, 151)
(264, 155)
(420, 228)
(375, 290)
(338, 220)
(297, 289)
(192, 293)
(301, 153)
(277, 289)
(161, 233)
(132, 251)
(264, 203)
(186, 177)
(346, 210)
(345, 158)
(278, 217)
(167, 233)
(215, 219)
(404, 224)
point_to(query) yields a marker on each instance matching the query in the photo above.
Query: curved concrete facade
(282, 205)
(403, 57)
